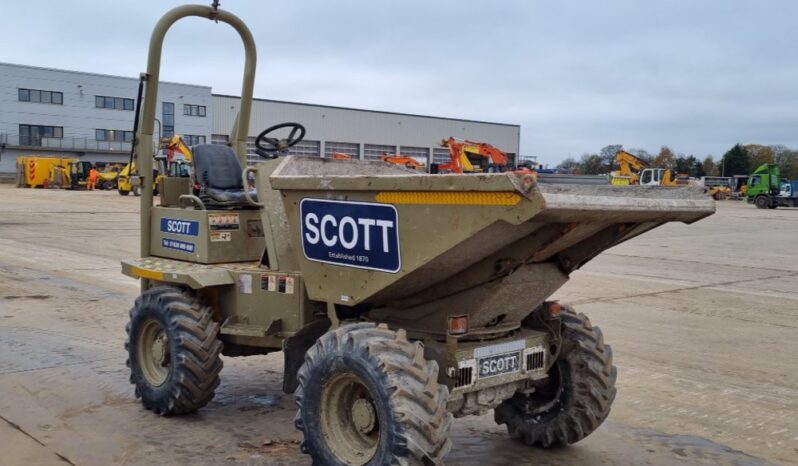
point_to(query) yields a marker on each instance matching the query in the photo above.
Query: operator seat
(217, 171)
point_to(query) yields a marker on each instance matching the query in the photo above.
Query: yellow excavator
(177, 162)
(633, 170)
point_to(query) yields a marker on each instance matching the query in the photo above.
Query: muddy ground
(703, 320)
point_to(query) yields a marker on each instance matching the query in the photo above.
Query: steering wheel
(270, 147)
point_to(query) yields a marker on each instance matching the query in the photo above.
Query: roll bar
(143, 141)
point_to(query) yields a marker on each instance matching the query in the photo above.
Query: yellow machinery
(175, 146)
(125, 186)
(632, 170)
(107, 179)
(51, 172)
(629, 169)
(177, 163)
(34, 171)
(72, 174)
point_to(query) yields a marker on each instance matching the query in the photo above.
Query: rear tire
(367, 396)
(173, 351)
(578, 395)
(122, 192)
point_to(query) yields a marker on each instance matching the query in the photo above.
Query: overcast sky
(698, 76)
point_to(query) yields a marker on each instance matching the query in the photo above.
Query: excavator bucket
(371, 233)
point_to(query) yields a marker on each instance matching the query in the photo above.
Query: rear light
(555, 308)
(458, 325)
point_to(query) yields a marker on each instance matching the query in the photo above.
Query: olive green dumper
(400, 300)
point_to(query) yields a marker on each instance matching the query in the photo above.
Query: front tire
(762, 202)
(367, 396)
(577, 396)
(173, 351)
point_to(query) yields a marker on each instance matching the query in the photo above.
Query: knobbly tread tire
(588, 392)
(195, 348)
(418, 423)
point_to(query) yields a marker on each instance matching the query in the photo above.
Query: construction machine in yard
(172, 165)
(474, 157)
(767, 190)
(633, 170)
(33, 171)
(52, 172)
(73, 174)
(399, 299)
(403, 160)
(108, 177)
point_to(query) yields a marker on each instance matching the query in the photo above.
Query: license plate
(499, 364)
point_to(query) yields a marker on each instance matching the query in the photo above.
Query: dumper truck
(767, 190)
(400, 300)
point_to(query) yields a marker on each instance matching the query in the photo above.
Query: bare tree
(607, 155)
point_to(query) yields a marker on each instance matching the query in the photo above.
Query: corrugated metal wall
(333, 128)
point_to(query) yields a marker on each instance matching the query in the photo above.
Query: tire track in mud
(19, 429)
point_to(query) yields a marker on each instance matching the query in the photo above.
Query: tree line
(739, 160)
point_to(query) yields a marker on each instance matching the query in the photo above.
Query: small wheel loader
(400, 300)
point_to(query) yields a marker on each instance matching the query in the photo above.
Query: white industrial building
(47, 111)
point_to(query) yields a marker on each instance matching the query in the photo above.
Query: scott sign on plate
(352, 234)
(500, 364)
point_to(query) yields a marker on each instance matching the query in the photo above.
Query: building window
(375, 151)
(252, 156)
(114, 103)
(192, 140)
(194, 110)
(441, 156)
(348, 148)
(220, 139)
(306, 148)
(42, 97)
(421, 154)
(116, 135)
(31, 135)
(168, 114)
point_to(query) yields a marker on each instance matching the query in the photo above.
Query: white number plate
(499, 364)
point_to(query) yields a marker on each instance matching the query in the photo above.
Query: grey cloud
(577, 75)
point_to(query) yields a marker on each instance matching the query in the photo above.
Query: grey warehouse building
(89, 115)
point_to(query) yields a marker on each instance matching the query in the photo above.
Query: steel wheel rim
(154, 353)
(349, 421)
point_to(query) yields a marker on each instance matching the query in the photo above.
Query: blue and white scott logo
(352, 234)
(180, 227)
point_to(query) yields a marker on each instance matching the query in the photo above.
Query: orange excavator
(400, 159)
(472, 156)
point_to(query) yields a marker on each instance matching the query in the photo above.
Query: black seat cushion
(218, 171)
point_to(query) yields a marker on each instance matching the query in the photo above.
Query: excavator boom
(629, 167)
(177, 144)
(400, 159)
(459, 150)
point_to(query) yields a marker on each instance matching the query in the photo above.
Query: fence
(64, 144)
